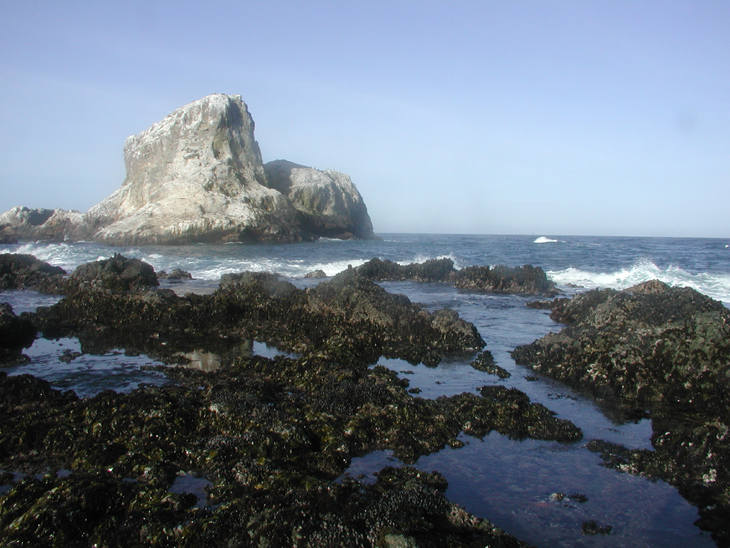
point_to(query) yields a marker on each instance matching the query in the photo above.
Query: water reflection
(208, 361)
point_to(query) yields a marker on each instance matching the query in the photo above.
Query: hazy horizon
(494, 118)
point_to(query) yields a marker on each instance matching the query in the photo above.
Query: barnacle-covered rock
(18, 271)
(522, 280)
(348, 317)
(661, 350)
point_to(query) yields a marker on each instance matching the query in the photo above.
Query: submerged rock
(197, 176)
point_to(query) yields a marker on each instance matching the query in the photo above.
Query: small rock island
(198, 176)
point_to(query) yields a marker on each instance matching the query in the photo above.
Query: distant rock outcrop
(198, 176)
(328, 201)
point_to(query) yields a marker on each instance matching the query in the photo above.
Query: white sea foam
(420, 259)
(544, 240)
(67, 256)
(716, 286)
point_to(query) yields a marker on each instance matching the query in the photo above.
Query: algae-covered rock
(15, 334)
(118, 273)
(665, 352)
(647, 343)
(348, 316)
(521, 280)
(18, 271)
(270, 436)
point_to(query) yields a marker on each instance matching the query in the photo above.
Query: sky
(475, 117)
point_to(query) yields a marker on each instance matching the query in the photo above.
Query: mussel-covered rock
(118, 273)
(346, 317)
(19, 271)
(522, 280)
(174, 274)
(269, 435)
(15, 334)
(649, 343)
(661, 350)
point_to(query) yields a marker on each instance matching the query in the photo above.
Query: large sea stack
(197, 176)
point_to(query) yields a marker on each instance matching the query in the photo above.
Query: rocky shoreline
(269, 435)
(659, 352)
(273, 437)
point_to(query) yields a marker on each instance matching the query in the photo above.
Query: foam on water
(66, 255)
(544, 240)
(421, 258)
(714, 285)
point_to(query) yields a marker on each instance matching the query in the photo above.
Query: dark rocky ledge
(524, 280)
(348, 317)
(656, 351)
(269, 435)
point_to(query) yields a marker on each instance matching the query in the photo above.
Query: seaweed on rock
(662, 349)
(271, 436)
(521, 280)
(346, 317)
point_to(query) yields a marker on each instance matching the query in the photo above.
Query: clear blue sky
(499, 117)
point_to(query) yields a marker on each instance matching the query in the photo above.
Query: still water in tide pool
(541, 492)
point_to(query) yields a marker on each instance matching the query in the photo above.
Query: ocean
(515, 484)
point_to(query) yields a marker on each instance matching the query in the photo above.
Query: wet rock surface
(19, 271)
(348, 316)
(523, 280)
(270, 436)
(657, 351)
(118, 273)
(15, 334)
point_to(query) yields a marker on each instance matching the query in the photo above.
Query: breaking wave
(714, 285)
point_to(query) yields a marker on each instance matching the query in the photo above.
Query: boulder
(19, 271)
(42, 224)
(197, 176)
(118, 273)
(520, 280)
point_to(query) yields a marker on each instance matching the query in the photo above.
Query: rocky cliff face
(328, 201)
(197, 176)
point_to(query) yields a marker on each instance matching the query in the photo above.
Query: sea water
(513, 483)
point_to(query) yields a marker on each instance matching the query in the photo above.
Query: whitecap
(715, 285)
(420, 259)
(544, 240)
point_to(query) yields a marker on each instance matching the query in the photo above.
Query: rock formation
(198, 176)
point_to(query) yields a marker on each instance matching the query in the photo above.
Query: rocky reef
(269, 438)
(197, 176)
(525, 280)
(348, 316)
(660, 352)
